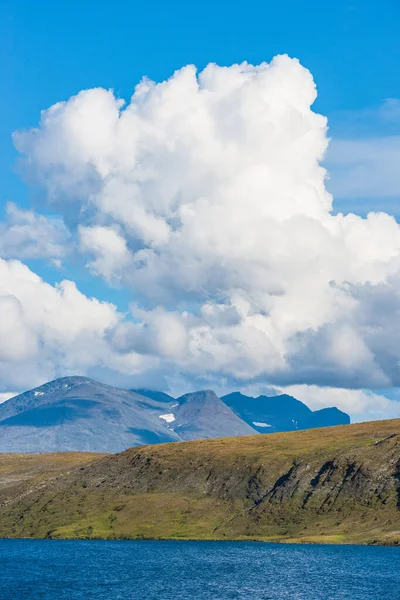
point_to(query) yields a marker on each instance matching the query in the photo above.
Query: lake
(157, 570)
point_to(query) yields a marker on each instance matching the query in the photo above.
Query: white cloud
(6, 396)
(48, 331)
(109, 249)
(205, 196)
(363, 405)
(26, 235)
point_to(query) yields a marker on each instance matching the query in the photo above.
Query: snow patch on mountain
(169, 418)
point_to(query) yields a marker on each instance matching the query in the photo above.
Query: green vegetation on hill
(333, 485)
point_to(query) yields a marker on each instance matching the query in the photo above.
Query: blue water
(147, 570)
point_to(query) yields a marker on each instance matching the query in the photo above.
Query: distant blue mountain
(154, 395)
(78, 413)
(327, 417)
(281, 413)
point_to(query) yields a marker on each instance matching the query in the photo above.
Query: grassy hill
(333, 485)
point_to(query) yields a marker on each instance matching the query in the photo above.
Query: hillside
(80, 414)
(340, 484)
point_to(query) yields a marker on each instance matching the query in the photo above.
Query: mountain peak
(79, 413)
(268, 414)
(204, 411)
(69, 379)
(200, 396)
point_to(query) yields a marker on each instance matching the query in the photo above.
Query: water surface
(152, 570)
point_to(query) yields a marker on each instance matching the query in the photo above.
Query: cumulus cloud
(364, 405)
(205, 197)
(111, 257)
(27, 235)
(6, 396)
(46, 331)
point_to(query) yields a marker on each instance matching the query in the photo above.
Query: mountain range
(78, 413)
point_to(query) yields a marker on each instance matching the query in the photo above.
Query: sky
(202, 196)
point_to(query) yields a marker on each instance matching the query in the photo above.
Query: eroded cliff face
(339, 484)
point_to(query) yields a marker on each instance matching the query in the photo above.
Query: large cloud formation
(205, 196)
(45, 330)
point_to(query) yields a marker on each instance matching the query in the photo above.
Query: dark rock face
(78, 413)
(281, 413)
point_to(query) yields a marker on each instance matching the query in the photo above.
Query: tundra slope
(337, 485)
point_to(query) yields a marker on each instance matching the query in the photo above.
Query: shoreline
(286, 542)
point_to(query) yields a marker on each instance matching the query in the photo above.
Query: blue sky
(51, 51)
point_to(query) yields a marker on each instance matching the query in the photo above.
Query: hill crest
(336, 485)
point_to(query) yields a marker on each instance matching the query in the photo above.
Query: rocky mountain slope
(77, 413)
(204, 411)
(80, 414)
(340, 484)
